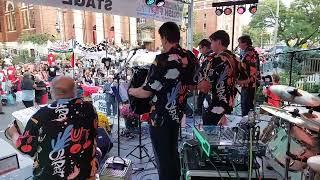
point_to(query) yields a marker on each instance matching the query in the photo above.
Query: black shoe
(1, 112)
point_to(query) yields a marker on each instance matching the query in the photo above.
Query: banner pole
(190, 26)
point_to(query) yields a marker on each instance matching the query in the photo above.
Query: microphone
(138, 48)
(236, 49)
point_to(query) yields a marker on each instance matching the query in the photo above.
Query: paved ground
(6, 118)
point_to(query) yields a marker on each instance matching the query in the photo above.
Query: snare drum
(278, 147)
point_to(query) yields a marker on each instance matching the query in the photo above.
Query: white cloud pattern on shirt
(217, 110)
(155, 98)
(156, 85)
(172, 74)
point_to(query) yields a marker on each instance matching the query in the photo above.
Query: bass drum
(138, 105)
(298, 150)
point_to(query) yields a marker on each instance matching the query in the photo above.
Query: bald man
(61, 136)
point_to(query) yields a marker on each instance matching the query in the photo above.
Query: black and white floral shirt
(169, 77)
(220, 71)
(62, 138)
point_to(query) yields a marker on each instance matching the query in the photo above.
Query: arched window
(10, 16)
(28, 16)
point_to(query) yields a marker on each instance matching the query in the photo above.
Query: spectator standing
(272, 99)
(41, 94)
(110, 97)
(52, 71)
(27, 87)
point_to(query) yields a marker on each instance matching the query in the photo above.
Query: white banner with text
(171, 11)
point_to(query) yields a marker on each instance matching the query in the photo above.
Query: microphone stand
(117, 76)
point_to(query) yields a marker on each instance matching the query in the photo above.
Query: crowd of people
(30, 83)
(215, 75)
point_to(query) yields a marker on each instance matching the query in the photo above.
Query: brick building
(206, 21)
(86, 27)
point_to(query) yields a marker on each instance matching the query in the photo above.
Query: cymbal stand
(286, 177)
(141, 147)
(252, 116)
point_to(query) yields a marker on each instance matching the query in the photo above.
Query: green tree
(197, 37)
(297, 24)
(39, 39)
(23, 57)
(260, 37)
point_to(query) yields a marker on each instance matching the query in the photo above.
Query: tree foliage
(39, 39)
(297, 24)
(23, 57)
(197, 37)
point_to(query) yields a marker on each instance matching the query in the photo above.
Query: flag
(72, 60)
(196, 52)
(51, 59)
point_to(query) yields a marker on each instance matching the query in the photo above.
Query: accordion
(138, 105)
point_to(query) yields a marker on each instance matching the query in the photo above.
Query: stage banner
(99, 102)
(171, 11)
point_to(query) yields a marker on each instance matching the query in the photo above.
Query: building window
(0, 26)
(33, 53)
(10, 17)
(14, 51)
(205, 26)
(28, 16)
(205, 16)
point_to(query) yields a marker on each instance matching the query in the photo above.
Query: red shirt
(11, 73)
(273, 100)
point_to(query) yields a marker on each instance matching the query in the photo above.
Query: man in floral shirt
(206, 52)
(61, 136)
(169, 77)
(218, 81)
(249, 80)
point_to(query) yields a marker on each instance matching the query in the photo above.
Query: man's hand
(139, 92)
(132, 91)
(13, 133)
(223, 121)
(12, 130)
(204, 86)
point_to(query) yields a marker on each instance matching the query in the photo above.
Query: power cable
(216, 169)
(235, 170)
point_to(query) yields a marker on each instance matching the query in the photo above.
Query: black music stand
(117, 93)
(141, 148)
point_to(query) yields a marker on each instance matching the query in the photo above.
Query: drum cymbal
(294, 95)
(291, 117)
(306, 114)
(314, 163)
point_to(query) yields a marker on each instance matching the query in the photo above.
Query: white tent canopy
(144, 57)
(171, 11)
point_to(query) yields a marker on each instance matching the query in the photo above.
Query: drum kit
(293, 134)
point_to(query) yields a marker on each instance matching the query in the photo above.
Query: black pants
(165, 146)
(28, 104)
(111, 102)
(247, 98)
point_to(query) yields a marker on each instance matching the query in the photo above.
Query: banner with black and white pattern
(97, 48)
